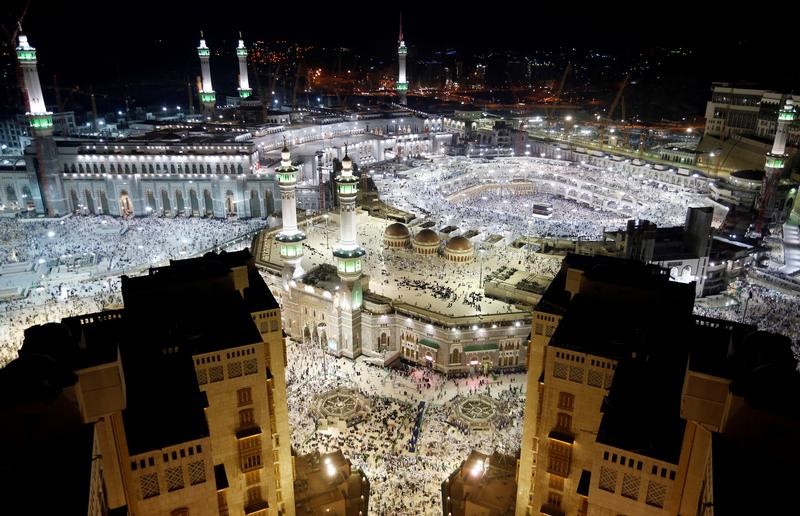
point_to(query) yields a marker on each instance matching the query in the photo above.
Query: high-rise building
(745, 111)
(183, 389)
(636, 406)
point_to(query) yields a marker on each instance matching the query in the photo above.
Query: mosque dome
(396, 235)
(459, 243)
(459, 249)
(396, 230)
(426, 236)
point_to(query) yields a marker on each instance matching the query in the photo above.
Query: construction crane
(557, 96)
(609, 117)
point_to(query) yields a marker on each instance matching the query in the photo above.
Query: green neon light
(286, 177)
(348, 265)
(291, 249)
(348, 188)
(402, 50)
(203, 52)
(775, 162)
(26, 55)
(786, 115)
(41, 122)
(245, 93)
(241, 52)
(208, 97)
(402, 86)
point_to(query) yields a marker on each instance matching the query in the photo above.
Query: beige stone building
(327, 484)
(184, 389)
(636, 406)
(483, 485)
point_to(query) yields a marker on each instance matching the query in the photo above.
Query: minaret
(402, 84)
(348, 256)
(244, 82)
(207, 96)
(50, 196)
(773, 168)
(290, 237)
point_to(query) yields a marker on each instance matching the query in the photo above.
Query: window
(234, 369)
(564, 422)
(250, 366)
(246, 418)
(245, 396)
(273, 325)
(251, 462)
(656, 493)
(148, 485)
(595, 378)
(560, 370)
(554, 499)
(608, 479)
(630, 487)
(197, 472)
(672, 475)
(252, 477)
(654, 470)
(576, 374)
(215, 373)
(539, 328)
(607, 382)
(183, 511)
(566, 401)
(556, 483)
(254, 495)
(559, 458)
(605, 455)
(174, 478)
(548, 331)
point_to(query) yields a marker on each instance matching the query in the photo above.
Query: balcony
(255, 506)
(551, 510)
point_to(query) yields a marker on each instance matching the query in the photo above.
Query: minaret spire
(348, 255)
(290, 237)
(207, 96)
(769, 210)
(244, 82)
(51, 190)
(402, 83)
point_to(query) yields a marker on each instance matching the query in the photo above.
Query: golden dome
(426, 236)
(396, 230)
(459, 243)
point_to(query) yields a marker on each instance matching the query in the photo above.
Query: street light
(321, 327)
(481, 253)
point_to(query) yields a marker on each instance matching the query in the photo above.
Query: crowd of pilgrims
(768, 309)
(121, 244)
(128, 247)
(402, 481)
(501, 208)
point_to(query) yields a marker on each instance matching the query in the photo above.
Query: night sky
(146, 39)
